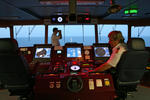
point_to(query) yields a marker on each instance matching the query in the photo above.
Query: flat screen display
(101, 52)
(74, 52)
(42, 52)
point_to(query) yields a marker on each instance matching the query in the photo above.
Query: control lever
(74, 84)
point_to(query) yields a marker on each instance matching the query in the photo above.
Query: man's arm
(103, 67)
(60, 35)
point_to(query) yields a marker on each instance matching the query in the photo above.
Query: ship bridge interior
(68, 72)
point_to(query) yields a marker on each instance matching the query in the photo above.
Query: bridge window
(104, 30)
(28, 35)
(75, 33)
(142, 32)
(4, 33)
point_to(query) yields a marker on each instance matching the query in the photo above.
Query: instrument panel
(72, 58)
(63, 71)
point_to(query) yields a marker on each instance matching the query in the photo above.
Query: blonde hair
(116, 35)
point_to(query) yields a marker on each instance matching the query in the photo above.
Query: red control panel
(62, 73)
(74, 87)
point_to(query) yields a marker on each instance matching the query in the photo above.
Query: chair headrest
(136, 44)
(8, 45)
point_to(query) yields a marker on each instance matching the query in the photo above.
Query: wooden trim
(129, 32)
(96, 33)
(11, 32)
(46, 34)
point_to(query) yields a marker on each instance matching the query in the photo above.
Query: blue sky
(69, 30)
(75, 30)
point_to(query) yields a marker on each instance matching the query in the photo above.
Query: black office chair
(131, 67)
(14, 73)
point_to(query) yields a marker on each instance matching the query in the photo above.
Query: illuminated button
(87, 52)
(65, 65)
(91, 84)
(147, 67)
(85, 64)
(99, 83)
(58, 84)
(53, 19)
(59, 19)
(106, 82)
(23, 49)
(75, 68)
(51, 74)
(87, 57)
(87, 18)
(29, 52)
(51, 85)
(74, 62)
(57, 63)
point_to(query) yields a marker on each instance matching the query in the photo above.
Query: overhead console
(73, 18)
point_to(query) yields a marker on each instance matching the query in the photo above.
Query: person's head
(55, 30)
(115, 37)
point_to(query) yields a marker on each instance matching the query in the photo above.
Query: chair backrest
(133, 62)
(13, 68)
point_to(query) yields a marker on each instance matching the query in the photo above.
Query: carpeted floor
(145, 81)
(143, 93)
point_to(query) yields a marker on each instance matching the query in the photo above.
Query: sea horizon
(88, 40)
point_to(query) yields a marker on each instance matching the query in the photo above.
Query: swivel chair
(131, 67)
(14, 73)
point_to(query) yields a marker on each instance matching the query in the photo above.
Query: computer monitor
(74, 52)
(42, 52)
(101, 51)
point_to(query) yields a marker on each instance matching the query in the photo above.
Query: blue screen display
(101, 52)
(74, 52)
(42, 52)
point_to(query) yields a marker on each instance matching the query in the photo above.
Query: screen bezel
(74, 45)
(42, 46)
(76, 48)
(101, 45)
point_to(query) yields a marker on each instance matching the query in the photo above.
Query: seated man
(55, 38)
(116, 41)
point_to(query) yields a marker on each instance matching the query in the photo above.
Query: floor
(143, 93)
(4, 95)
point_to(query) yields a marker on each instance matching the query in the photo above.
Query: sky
(74, 31)
(69, 30)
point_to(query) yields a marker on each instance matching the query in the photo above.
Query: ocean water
(26, 42)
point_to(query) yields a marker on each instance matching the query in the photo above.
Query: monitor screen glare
(101, 52)
(42, 52)
(73, 52)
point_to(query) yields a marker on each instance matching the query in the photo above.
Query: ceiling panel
(32, 9)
